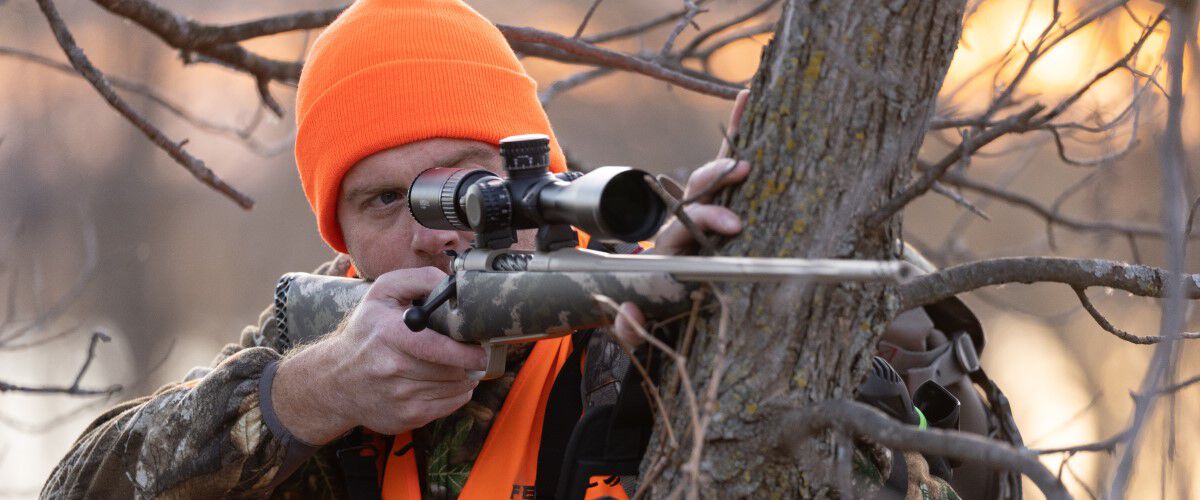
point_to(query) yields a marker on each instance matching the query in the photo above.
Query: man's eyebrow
(463, 155)
(448, 161)
(357, 192)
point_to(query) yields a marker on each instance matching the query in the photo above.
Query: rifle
(497, 296)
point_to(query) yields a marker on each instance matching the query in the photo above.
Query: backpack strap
(610, 439)
(563, 408)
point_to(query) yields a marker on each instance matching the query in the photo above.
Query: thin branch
(1109, 445)
(864, 421)
(958, 199)
(10, 332)
(703, 36)
(174, 149)
(1173, 165)
(1122, 334)
(587, 53)
(1144, 281)
(570, 82)
(205, 34)
(240, 133)
(586, 18)
(963, 182)
(969, 145)
(74, 389)
(688, 19)
(638, 29)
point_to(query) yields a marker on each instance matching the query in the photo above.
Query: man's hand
(375, 372)
(674, 238)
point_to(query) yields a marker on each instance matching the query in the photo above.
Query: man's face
(381, 235)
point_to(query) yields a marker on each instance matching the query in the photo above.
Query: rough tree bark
(838, 112)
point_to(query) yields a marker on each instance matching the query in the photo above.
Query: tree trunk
(838, 111)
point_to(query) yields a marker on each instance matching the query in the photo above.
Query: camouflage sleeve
(212, 435)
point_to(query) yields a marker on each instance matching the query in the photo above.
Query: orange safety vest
(507, 465)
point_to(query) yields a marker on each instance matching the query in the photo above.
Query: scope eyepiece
(609, 203)
(433, 197)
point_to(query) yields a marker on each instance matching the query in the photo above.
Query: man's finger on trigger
(434, 347)
(419, 369)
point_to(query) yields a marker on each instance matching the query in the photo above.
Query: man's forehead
(402, 163)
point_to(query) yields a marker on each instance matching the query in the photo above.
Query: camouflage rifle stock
(501, 297)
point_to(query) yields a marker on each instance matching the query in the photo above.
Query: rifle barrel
(730, 269)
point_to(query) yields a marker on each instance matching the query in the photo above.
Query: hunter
(391, 88)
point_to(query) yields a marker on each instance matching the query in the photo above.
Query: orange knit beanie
(390, 72)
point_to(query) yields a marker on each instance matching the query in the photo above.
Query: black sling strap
(563, 408)
(610, 440)
(357, 460)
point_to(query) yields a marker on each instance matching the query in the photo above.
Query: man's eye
(388, 197)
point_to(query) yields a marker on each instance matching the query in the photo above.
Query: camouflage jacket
(214, 434)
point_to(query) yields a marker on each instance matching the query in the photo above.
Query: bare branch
(688, 19)
(970, 143)
(242, 134)
(74, 389)
(1144, 281)
(10, 332)
(864, 421)
(177, 31)
(1173, 165)
(961, 181)
(526, 39)
(958, 199)
(639, 29)
(1122, 334)
(587, 17)
(694, 45)
(1110, 444)
(174, 149)
(570, 82)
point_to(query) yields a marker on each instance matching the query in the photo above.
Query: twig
(688, 19)
(961, 181)
(969, 144)
(1122, 334)
(240, 133)
(8, 333)
(638, 29)
(571, 82)
(74, 389)
(958, 199)
(862, 420)
(84, 66)
(1144, 281)
(716, 29)
(1174, 203)
(591, 54)
(1110, 444)
(586, 17)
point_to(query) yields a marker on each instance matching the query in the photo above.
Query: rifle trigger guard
(497, 354)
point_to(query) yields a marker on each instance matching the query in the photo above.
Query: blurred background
(95, 219)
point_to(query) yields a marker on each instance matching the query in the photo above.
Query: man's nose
(433, 242)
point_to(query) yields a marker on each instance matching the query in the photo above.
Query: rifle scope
(609, 203)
